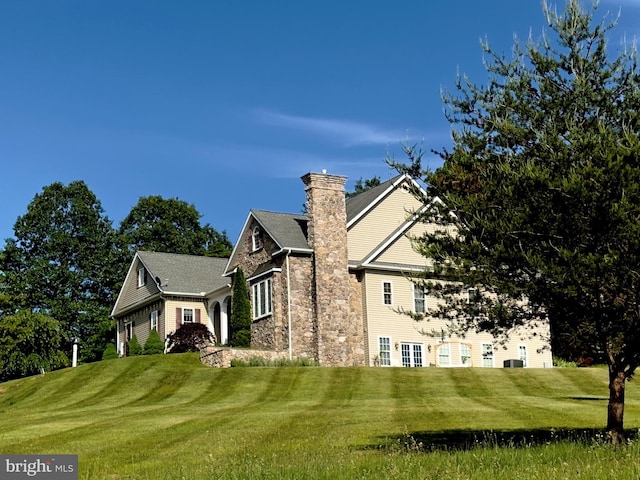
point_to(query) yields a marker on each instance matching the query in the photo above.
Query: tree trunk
(615, 415)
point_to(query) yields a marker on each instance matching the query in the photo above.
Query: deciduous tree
(542, 185)
(173, 226)
(65, 261)
(30, 343)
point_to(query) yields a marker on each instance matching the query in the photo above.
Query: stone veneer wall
(339, 333)
(303, 325)
(263, 331)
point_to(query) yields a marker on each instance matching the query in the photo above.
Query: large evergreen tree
(542, 186)
(65, 262)
(240, 311)
(173, 226)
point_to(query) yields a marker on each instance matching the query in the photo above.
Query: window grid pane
(443, 354)
(417, 355)
(465, 354)
(406, 355)
(385, 351)
(522, 351)
(386, 289)
(419, 298)
(487, 355)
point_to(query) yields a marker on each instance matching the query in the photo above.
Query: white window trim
(417, 287)
(184, 316)
(412, 346)
(128, 331)
(153, 320)
(390, 293)
(525, 360)
(468, 347)
(142, 277)
(257, 300)
(257, 242)
(488, 356)
(447, 347)
(380, 351)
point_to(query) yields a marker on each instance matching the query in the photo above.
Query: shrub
(110, 352)
(241, 338)
(153, 345)
(188, 336)
(561, 362)
(257, 361)
(134, 347)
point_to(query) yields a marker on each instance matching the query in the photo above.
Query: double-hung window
(262, 304)
(142, 277)
(419, 298)
(522, 354)
(153, 317)
(487, 355)
(386, 293)
(187, 315)
(465, 354)
(444, 355)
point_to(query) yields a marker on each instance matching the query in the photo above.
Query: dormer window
(142, 277)
(256, 238)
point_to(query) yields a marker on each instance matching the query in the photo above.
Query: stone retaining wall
(220, 357)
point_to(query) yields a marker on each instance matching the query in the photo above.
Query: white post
(224, 324)
(74, 361)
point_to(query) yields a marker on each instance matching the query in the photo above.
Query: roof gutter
(288, 251)
(137, 305)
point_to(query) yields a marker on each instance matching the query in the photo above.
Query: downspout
(289, 303)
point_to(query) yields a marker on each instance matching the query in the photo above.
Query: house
(162, 291)
(329, 285)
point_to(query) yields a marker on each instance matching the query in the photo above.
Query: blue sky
(225, 104)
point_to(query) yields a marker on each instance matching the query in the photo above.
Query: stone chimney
(327, 236)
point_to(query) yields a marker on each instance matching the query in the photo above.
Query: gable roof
(184, 274)
(287, 230)
(359, 203)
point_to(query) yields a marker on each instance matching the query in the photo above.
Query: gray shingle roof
(357, 204)
(288, 230)
(185, 273)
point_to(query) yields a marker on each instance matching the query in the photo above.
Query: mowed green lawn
(169, 417)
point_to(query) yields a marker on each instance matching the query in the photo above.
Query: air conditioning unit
(513, 363)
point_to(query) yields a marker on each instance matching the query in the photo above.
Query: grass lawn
(169, 417)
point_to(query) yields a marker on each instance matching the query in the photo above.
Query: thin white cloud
(346, 132)
(631, 3)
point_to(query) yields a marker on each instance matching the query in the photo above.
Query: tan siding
(379, 223)
(401, 251)
(131, 293)
(170, 312)
(383, 321)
